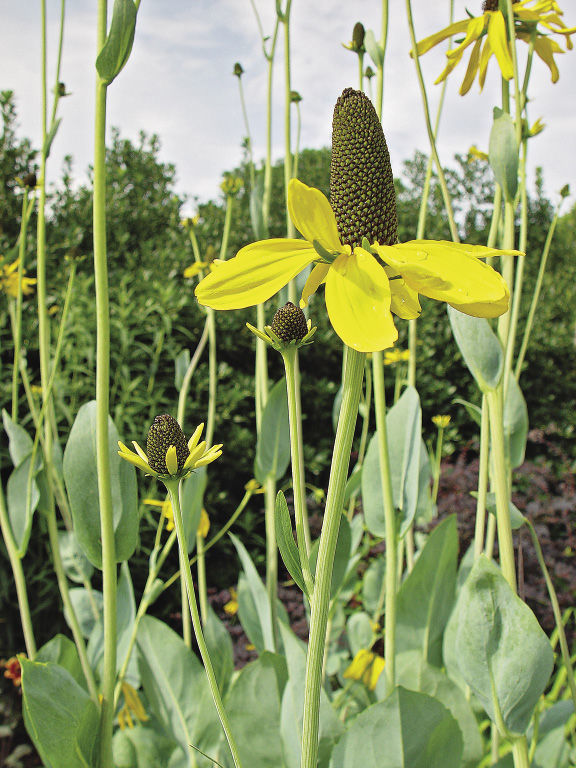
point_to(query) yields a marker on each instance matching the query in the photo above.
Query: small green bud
(164, 432)
(295, 97)
(369, 73)
(361, 183)
(238, 71)
(289, 323)
(565, 191)
(62, 90)
(358, 34)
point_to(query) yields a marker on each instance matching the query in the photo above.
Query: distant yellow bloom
(254, 486)
(132, 706)
(366, 667)
(231, 606)
(476, 154)
(488, 35)
(441, 421)
(195, 269)
(204, 524)
(392, 356)
(9, 277)
(166, 508)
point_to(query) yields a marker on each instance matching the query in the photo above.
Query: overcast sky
(178, 83)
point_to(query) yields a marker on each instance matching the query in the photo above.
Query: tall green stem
(390, 520)
(271, 553)
(174, 491)
(351, 390)
(297, 452)
(380, 68)
(18, 317)
(102, 409)
(482, 481)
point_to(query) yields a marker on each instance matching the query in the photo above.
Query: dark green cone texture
(164, 432)
(361, 182)
(289, 323)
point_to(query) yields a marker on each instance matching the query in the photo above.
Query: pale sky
(178, 83)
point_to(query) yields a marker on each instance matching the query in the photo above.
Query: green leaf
(125, 615)
(359, 632)
(192, 497)
(20, 513)
(341, 556)
(86, 606)
(220, 648)
(259, 597)
(330, 728)
(253, 707)
(503, 153)
(501, 651)
(414, 673)
(474, 411)
(404, 427)
(517, 519)
(60, 717)
(426, 597)
(256, 210)
(407, 730)
(353, 484)
(180, 367)
(81, 477)
(480, 348)
(118, 45)
(143, 746)
(176, 687)
(286, 543)
(273, 447)
(62, 651)
(515, 423)
(51, 135)
(373, 48)
(373, 583)
(19, 441)
(75, 563)
(425, 508)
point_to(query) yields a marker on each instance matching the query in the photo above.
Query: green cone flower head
(168, 454)
(165, 432)
(289, 323)
(361, 183)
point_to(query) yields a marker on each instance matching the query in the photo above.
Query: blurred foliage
(154, 316)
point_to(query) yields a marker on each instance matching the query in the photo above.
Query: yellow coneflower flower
(441, 421)
(366, 667)
(9, 280)
(231, 607)
(392, 356)
(132, 706)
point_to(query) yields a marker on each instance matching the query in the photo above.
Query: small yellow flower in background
(231, 185)
(36, 389)
(250, 647)
(168, 453)
(132, 706)
(204, 524)
(195, 269)
(53, 310)
(352, 244)
(536, 127)
(366, 667)
(231, 607)
(12, 670)
(488, 35)
(254, 486)
(190, 222)
(392, 356)
(166, 508)
(476, 154)
(9, 280)
(441, 421)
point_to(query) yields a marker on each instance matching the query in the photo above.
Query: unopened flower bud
(295, 97)
(29, 180)
(361, 183)
(369, 73)
(289, 323)
(165, 432)
(238, 71)
(565, 191)
(358, 37)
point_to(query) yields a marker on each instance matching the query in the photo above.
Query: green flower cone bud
(289, 323)
(238, 70)
(29, 180)
(358, 34)
(361, 183)
(492, 5)
(164, 432)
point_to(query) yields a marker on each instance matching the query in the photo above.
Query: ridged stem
(17, 329)
(351, 390)
(173, 488)
(480, 524)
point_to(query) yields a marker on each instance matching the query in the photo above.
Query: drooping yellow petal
(405, 302)
(255, 274)
(193, 442)
(429, 42)
(472, 68)
(172, 460)
(474, 31)
(545, 50)
(484, 59)
(312, 215)
(204, 524)
(315, 279)
(499, 44)
(448, 272)
(358, 302)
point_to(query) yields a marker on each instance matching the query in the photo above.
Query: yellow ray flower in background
(487, 34)
(132, 706)
(366, 667)
(231, 607)
(393, 356)
(9, 280)
(203, 524)
(364, 284)
(166, 508)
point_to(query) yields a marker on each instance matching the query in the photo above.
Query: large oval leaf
(81, 477)
(273, 448)
(480, 348)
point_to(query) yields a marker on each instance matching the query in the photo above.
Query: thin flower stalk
(480, 523)
(351, 390)
(102, 409)
(173, 487)
(364, 434)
